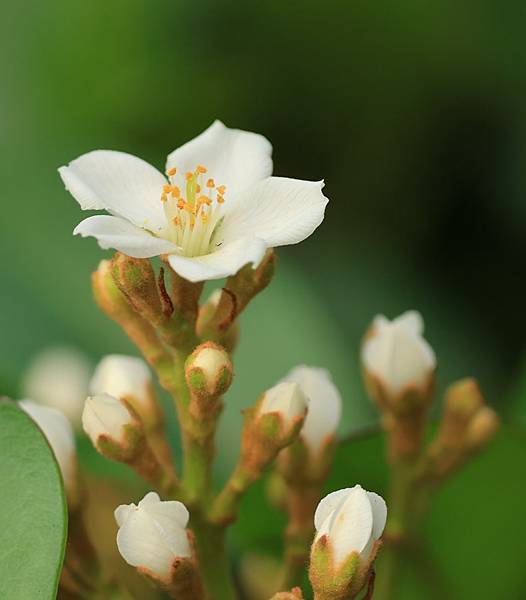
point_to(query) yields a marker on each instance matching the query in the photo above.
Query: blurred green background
(412, 112)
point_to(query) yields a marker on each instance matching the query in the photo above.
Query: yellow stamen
(210, 183)
(188, 176)
(204, 200)
(221, 189)
(166, 188)
(171, 172)
(164, 197)
(198, 188)
(176, 192)
(181, 204)
(176, 221)
(201, 169)
(220, 199)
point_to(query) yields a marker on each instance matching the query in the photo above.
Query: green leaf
(33, 516)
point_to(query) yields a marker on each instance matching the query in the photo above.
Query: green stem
(408, 500)
(213, 558)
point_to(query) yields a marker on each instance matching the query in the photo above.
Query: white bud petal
(122, 376)
(211, 361)
(285, 398)
(353, 519)
(324, 404)
(397, 354)
(106, 415)
(152, 534)
(59, 434)
(58, 377)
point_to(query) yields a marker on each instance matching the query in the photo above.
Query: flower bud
(209, 370)
(58, 378)
(113, 429)
(397, 358)
(286, 400)
(108, 296)
(482, 428)
(348, 524)
(324, 405)
(59, 434)
(153, 538)
(127, 378)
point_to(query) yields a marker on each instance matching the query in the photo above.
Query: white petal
(225, 261)
(328, 504)
(59, 434)
(412, 320)
(351, 525)
(118, 182)
(122, 376)
(379, 514)
(235, 158)
(122, 512)
(116, 233)
(105, 415)
(278, 210)
(324, 403)
(169, 513)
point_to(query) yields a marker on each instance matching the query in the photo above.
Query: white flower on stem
(396, 353)
(285, 399)
(58, 377)
(152, 534)
(324, 404)
(352, 519)
(59, 434)
(217, 210)
(107, 417)
(123, 377)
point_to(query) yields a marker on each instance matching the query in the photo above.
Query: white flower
(106, 416)
(58, 377)
(59, 434)
(285, 398)
(397, 354)
(353, 519)
(218, 210)
(123, 377)
(152, 534)
(324, 404)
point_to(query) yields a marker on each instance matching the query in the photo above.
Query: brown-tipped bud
(482, 428)
(113, 427)
(249, 282)
(184, 295)
(462, 400)
(208, 371)
(136, 279)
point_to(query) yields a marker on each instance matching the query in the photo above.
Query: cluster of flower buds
(153, 538)
(467, 425)
(349, 524)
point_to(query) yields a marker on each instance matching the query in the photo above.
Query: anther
(200, 169)
(221, 189)
(166, 188)
(220, 199)
(210, 183)
(171, 172)
(176, 192)
(164, 197)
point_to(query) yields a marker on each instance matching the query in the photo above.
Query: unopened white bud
(397, 355)
(286, 399)
(152, 534)
(59, 434)
(124, 377)
(324, 404)
(209, 370)
(107, 417)
(352, 519)
(58, 377)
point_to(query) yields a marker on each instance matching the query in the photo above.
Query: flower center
(193, 209)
